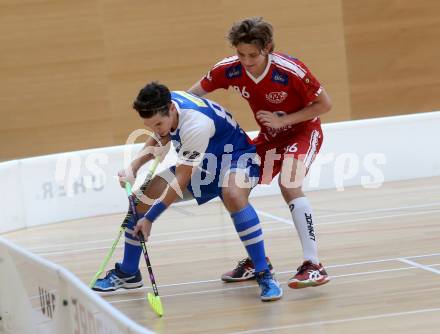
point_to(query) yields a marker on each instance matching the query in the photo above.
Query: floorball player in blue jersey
(215, 158)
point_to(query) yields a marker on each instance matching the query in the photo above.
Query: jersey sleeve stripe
(226, 61)
(289, 65)
(291, 61)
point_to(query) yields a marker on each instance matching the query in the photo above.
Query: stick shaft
(149, 267)
(123, 226)
(144, 248)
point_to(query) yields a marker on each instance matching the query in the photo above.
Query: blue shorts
(205, 185)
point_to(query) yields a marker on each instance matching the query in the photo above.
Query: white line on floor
(261, 213)
(420, 266)
(154, 242)
(339, 321)
(361, 220)
(160, 234)
(248, 286)
(397, 208)
(271, 216)
(278, 273)
(406, 214)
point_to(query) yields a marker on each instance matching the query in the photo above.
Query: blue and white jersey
(207, 136)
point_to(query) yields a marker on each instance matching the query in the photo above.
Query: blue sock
(132, 250)
(249, 230)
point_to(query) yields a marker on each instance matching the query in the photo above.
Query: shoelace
(266, 289)
(241, 263)
(267, 282)
(302, 268)
(109, 273)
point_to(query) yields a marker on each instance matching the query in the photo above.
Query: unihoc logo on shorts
(276, 97)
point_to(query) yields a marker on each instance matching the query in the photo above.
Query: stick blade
(155, 304)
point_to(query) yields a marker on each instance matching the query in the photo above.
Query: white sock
(302, 218)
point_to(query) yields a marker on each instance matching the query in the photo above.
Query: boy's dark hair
(154, 98)
(253, 30)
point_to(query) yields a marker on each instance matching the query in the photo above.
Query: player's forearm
(151, 149)
(138, 162)
(308, 113)
(197, 89)
(319, 107)
(145, 155)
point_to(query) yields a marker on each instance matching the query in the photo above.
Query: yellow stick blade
(155, 304)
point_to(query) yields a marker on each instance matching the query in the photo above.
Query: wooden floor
(381, 247)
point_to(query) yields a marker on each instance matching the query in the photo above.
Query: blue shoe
(270, 288)
(116, 279)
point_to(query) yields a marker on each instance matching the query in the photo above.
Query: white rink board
(38, 296)
(365, 152)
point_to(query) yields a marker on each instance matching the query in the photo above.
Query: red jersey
(285, 86)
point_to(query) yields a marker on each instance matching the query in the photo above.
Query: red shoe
(309, 274)
(243, 271)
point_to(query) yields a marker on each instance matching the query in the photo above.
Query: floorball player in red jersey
(286, 100)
